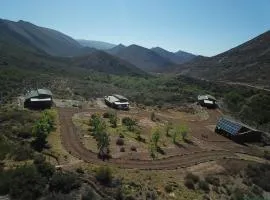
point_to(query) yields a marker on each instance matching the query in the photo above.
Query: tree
(184, 132)
(103, 142)
(168, 127)
(113, 120)
(155, 137)
(104, 175)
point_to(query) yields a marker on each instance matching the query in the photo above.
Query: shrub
(26, 183)
(121, 135)
(104, 175)
(89, 194)
(204, 185)
(193, 177)
(267, 155)
(129, 123)
(122, 149)
(59, 196)
(64, 182)
(212, 180)
(120, 141)
(113, 120)
(189, 184)
(80, 170)
(133, 148)
(107, 114)
(153, 116)
(257, 190)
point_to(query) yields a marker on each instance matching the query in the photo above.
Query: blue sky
(205, 27)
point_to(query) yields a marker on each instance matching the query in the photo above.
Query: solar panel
(229, 126)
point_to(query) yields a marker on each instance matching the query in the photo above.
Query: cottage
(117, 101)
(207, 100)
(237, 130)
(40, 98)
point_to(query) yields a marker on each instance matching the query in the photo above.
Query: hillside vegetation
(248, 63)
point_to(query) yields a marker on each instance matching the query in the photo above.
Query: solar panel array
(228, 126)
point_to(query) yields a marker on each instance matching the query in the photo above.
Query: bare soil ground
(200, 149)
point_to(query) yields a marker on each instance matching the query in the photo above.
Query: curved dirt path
(73, 145)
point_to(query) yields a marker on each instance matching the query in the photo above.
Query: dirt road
(71, 141)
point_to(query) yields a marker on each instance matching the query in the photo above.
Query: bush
(193, 177)
(120, 141)
(80, 170)
(204, 185)
(129, 123)
(26, 183)
(22, 152)
(89, 194)
(153, 116)
(212, 180)
(107, 115)
(133, 148)
(189, 184)
(104, 175)
(64, 182)
(122, 149)
(58, 196)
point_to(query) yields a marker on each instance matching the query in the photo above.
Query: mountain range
(247, 63)
(96, 44)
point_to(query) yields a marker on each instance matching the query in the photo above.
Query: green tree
(168, 127)
(103, 142)
(155, 137)
(113, 120)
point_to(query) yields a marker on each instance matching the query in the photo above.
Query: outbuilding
(117, 101)
(207, 101)
(40, 98)
(237, 130)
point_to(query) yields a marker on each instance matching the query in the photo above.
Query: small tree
(168, 127)
(113, 120)
(103, 142)
(184, 132)
(153, 116)
(155, 137)
(104, 175)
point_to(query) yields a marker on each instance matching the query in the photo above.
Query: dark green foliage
(5, 148)
(212, 180)
(189, 184)
(58, 196)
(104, 175)
(43, 167)
(234, 100)
(267, 155)
(153, 116)
(89, 194)
(238, 194)
(64, 182)
(26, 183)
(5, 180)
(22, 152)
(129, 123)
(204, 186)
(259, 175)
(80, 170)
(120, 141)
(113, 120)
(193, 177)
(103, 142)
(41, 130)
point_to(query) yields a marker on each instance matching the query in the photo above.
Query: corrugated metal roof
(36, 93)
(120, 97)
(44, 91)
(111, 99)
(229, 126)
(206, 97)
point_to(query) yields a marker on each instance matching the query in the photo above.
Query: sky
(202, 27)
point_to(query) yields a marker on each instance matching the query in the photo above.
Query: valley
(165, 146)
